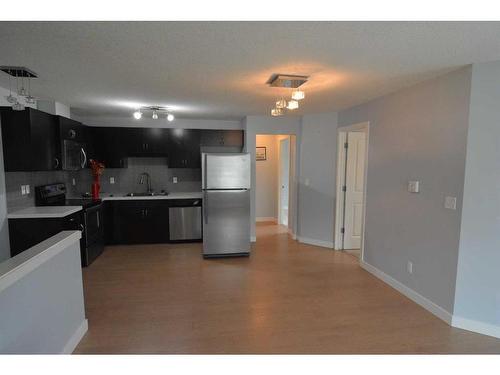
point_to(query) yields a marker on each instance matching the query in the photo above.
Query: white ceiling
(218, 70)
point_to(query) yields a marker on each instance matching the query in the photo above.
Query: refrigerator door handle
(204, 171)
(205, 206)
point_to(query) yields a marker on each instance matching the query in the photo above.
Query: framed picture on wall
(260, 153)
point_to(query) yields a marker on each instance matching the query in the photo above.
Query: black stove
(55, 195)
(92, 242)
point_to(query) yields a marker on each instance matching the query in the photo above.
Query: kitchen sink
(152, 194)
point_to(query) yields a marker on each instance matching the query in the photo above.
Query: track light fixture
(156, 112)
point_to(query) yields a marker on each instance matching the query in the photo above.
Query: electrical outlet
(73, 181)
(174, 180)
(409, 267)
(450, 203)
(111, 180)
(23, 189)
(27, 189)
(414, 186)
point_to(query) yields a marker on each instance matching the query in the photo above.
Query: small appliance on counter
(226, 204)
(90, 223)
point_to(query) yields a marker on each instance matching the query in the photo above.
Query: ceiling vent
(287, 80)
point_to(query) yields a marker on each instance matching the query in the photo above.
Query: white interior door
(284, 161)
(355, 175)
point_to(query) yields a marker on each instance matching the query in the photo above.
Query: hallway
(286, 297)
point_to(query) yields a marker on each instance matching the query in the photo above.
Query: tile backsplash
(126, 180)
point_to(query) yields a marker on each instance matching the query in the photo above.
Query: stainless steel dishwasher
(185, 220)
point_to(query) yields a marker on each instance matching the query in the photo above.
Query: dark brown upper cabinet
(184, 148)
(30, 140)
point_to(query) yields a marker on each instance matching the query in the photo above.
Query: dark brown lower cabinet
(136, 222)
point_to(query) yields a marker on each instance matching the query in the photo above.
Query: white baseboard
(253, 239)
(475, 326)
(264, 218)
(292, 234)
(76, 337)
(410, 293)
(312, 241)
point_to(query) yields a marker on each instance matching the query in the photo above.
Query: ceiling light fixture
(22, 72)
(287, 81)
(156, 112)
(292, 104)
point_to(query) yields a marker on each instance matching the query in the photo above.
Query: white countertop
(122, 197)
(43, 212)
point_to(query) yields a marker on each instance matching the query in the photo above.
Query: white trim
(312, 241)
(253, 239)
(22, 264)
(292, 233)
(339, 197)
(408, 292)
(266, 218)
(364, 127)
(476, 326)
(76, 337)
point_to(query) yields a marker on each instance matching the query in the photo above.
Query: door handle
(205, 206)
(84, 162)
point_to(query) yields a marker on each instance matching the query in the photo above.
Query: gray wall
(418, 133)
(266, 174)
(478, 276)
(318, 166)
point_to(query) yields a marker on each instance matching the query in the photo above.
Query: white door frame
(341, 157)
(280, 182)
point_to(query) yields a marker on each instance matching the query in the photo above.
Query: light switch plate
(414, 186)
(111, 180)
(450, 203)
(174, 180)
(409, 267)
(306, 182)
(23, 189)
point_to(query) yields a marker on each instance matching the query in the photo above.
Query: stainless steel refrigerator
(226, 204)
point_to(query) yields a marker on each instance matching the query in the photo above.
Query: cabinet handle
(146, 210)
(98, 221)
(57, 162)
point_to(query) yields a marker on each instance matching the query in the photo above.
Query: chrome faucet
(146, 176)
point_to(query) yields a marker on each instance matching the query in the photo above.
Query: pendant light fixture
(276, 112)
(154, 116)
(170, 117)
(156, 112)
(280, 104)
(292, 104)
(11, 98)
(298, 95)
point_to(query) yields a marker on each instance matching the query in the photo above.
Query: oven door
(74, 156)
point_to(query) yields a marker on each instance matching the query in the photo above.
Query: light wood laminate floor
(285, 298)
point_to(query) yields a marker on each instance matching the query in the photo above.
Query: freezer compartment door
(226, 222)
(226, 171)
